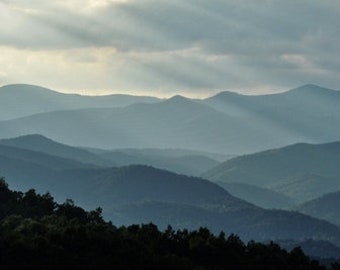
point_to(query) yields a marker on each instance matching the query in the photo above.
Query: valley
(171, 162)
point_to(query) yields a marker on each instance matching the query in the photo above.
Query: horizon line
(153, 94)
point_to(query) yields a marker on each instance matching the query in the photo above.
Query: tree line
(38, 233)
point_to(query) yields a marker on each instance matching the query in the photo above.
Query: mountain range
(227, 123)
(142, 194)
(326, 207)
(260, 196)
(176, 160)
(145, 159)
(19, 100)
(300, 171)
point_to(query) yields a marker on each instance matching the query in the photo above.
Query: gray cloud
(194, 45)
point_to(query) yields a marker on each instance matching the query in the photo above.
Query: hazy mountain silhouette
(139, 183)
(259, 196)
(326, 207)
(42, 144)
(146, 194)
(305, 114)
(25, 169)
(249, 224)
(41, 159)
(169, 124)
(287, 170)
(177, 160)
(140, 193)
(305, 187)
(19, 100)
(161, 152)
(227, 123)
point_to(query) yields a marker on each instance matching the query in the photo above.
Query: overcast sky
(165, 47)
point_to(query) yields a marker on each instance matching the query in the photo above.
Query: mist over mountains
(265, 167)
(140, 194)
(227, 123)
(300, 171)
(19, 100)
(176, 160)
(326, 207)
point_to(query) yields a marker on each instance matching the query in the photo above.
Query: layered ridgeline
(227, 123)
(326, 207)
(39, 233)
(176, 160)
(260, 196)
(142, 194)
(21, 100)
(300, 171)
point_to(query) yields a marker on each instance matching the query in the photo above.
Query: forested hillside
(38, 233)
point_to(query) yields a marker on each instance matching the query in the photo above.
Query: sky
(166, 47)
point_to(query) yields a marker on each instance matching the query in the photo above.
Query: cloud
(3, 74)
(196, 46)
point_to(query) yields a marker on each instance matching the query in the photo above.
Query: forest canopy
(38, 233)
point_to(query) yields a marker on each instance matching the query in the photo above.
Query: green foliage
(38, 233)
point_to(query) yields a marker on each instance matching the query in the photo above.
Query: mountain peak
(31, 142)
(313, 89)
(178, 98)
(26, 88)
(29, 137)
(224, 94)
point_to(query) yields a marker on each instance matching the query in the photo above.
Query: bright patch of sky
(163, 47)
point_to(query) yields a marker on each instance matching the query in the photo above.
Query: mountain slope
(139, 183)
(248, 223)
(326, 207)
(41, 159)
(301, 171)
(305, 187)
(42, 144)
(268, 167)
(307, 114)
(180, 161)
(142, 194)
(48, 235)
(180, 123)
(21, 100)
(25, 169)
(262, 197)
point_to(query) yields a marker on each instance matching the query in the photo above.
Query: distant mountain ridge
(112, 138)
(141, 194)
(308, 186)
(315, 89)
(19, 100)
(136, 194)
(25, 168)
(326, 207)
(227, 123)
(263, 197)
(176, 160)
(304, 114)
(36, 142)
(301, 171)
(162, 125)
